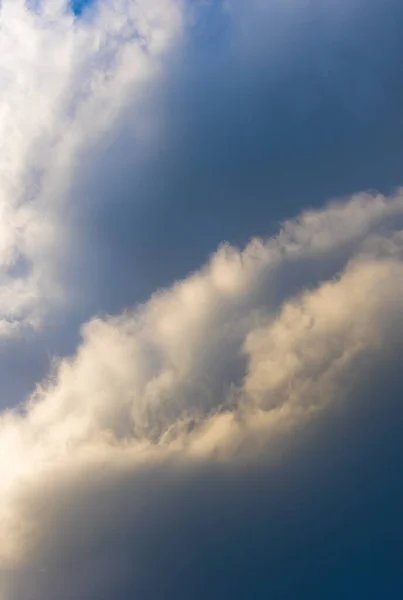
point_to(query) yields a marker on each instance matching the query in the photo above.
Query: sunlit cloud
(214, 370)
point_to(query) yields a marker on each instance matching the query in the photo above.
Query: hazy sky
(201, 315)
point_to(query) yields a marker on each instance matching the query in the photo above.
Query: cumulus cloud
(208, 381)
(64, 82)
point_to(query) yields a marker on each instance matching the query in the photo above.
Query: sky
(80, 6)
(201, 273)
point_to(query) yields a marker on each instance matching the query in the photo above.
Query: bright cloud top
(63, 83)
(215, 370)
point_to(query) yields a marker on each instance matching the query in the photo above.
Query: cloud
(238, 433)
(143, 448)
(233, 111)
(139, 144)
(64, 82)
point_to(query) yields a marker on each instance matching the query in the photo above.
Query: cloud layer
(210, 378)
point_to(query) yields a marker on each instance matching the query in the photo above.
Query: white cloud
(63, 83)
(205, 375)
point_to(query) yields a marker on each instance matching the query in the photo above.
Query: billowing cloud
(207, 382)
(64, 83)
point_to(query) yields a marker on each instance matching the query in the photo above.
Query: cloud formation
(210, 378)
(64, 83)
(236, 433)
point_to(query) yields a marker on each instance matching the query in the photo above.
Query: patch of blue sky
(78, 6)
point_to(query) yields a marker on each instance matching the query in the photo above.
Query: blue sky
(186, 412)
(79, 5)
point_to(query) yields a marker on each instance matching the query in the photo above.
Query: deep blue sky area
(78, 6)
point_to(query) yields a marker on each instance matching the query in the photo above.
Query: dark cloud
(324, 520)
